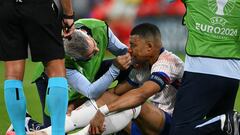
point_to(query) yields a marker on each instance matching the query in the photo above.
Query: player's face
(138, 49)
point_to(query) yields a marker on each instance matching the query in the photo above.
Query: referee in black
(38, 25)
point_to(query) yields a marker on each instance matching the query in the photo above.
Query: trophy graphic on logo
(220, 6)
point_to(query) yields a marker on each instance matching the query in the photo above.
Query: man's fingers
(126, 56)
(97, 131)
(68, 27)
(93, 131)
(67, 34)
(103, 128)
(126, 59)
(129, 63)
(123, 61)
(90, 130)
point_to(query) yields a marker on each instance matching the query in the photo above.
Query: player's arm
(156, 82)
(122, 88)
(134, 97)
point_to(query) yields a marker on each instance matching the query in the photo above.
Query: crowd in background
(122, 15)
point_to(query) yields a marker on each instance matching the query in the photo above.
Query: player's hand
(97, 124)
(68, 27)
(123, 61)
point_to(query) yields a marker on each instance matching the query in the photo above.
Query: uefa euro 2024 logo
(220, 8)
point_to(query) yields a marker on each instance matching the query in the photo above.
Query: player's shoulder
(167, 62)
(168, 57)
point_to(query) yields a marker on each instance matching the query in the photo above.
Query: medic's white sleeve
(81, 84)
(115, 46)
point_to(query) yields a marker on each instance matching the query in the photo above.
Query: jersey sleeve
(165, 72)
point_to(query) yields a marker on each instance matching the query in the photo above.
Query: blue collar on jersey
(162, 50)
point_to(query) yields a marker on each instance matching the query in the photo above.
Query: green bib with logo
(213, 27)
(99, 31)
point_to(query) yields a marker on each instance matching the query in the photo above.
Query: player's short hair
(146, 30)
(77, 46)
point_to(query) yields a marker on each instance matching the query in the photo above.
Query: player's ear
(150, 45)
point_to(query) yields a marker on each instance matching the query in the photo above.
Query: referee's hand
(68, 27)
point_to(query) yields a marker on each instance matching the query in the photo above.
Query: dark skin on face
(138, 49)
(144, 50)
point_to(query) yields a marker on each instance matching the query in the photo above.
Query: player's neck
(153, 59)
(156, 55)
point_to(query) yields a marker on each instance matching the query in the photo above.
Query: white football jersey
(173, 67)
